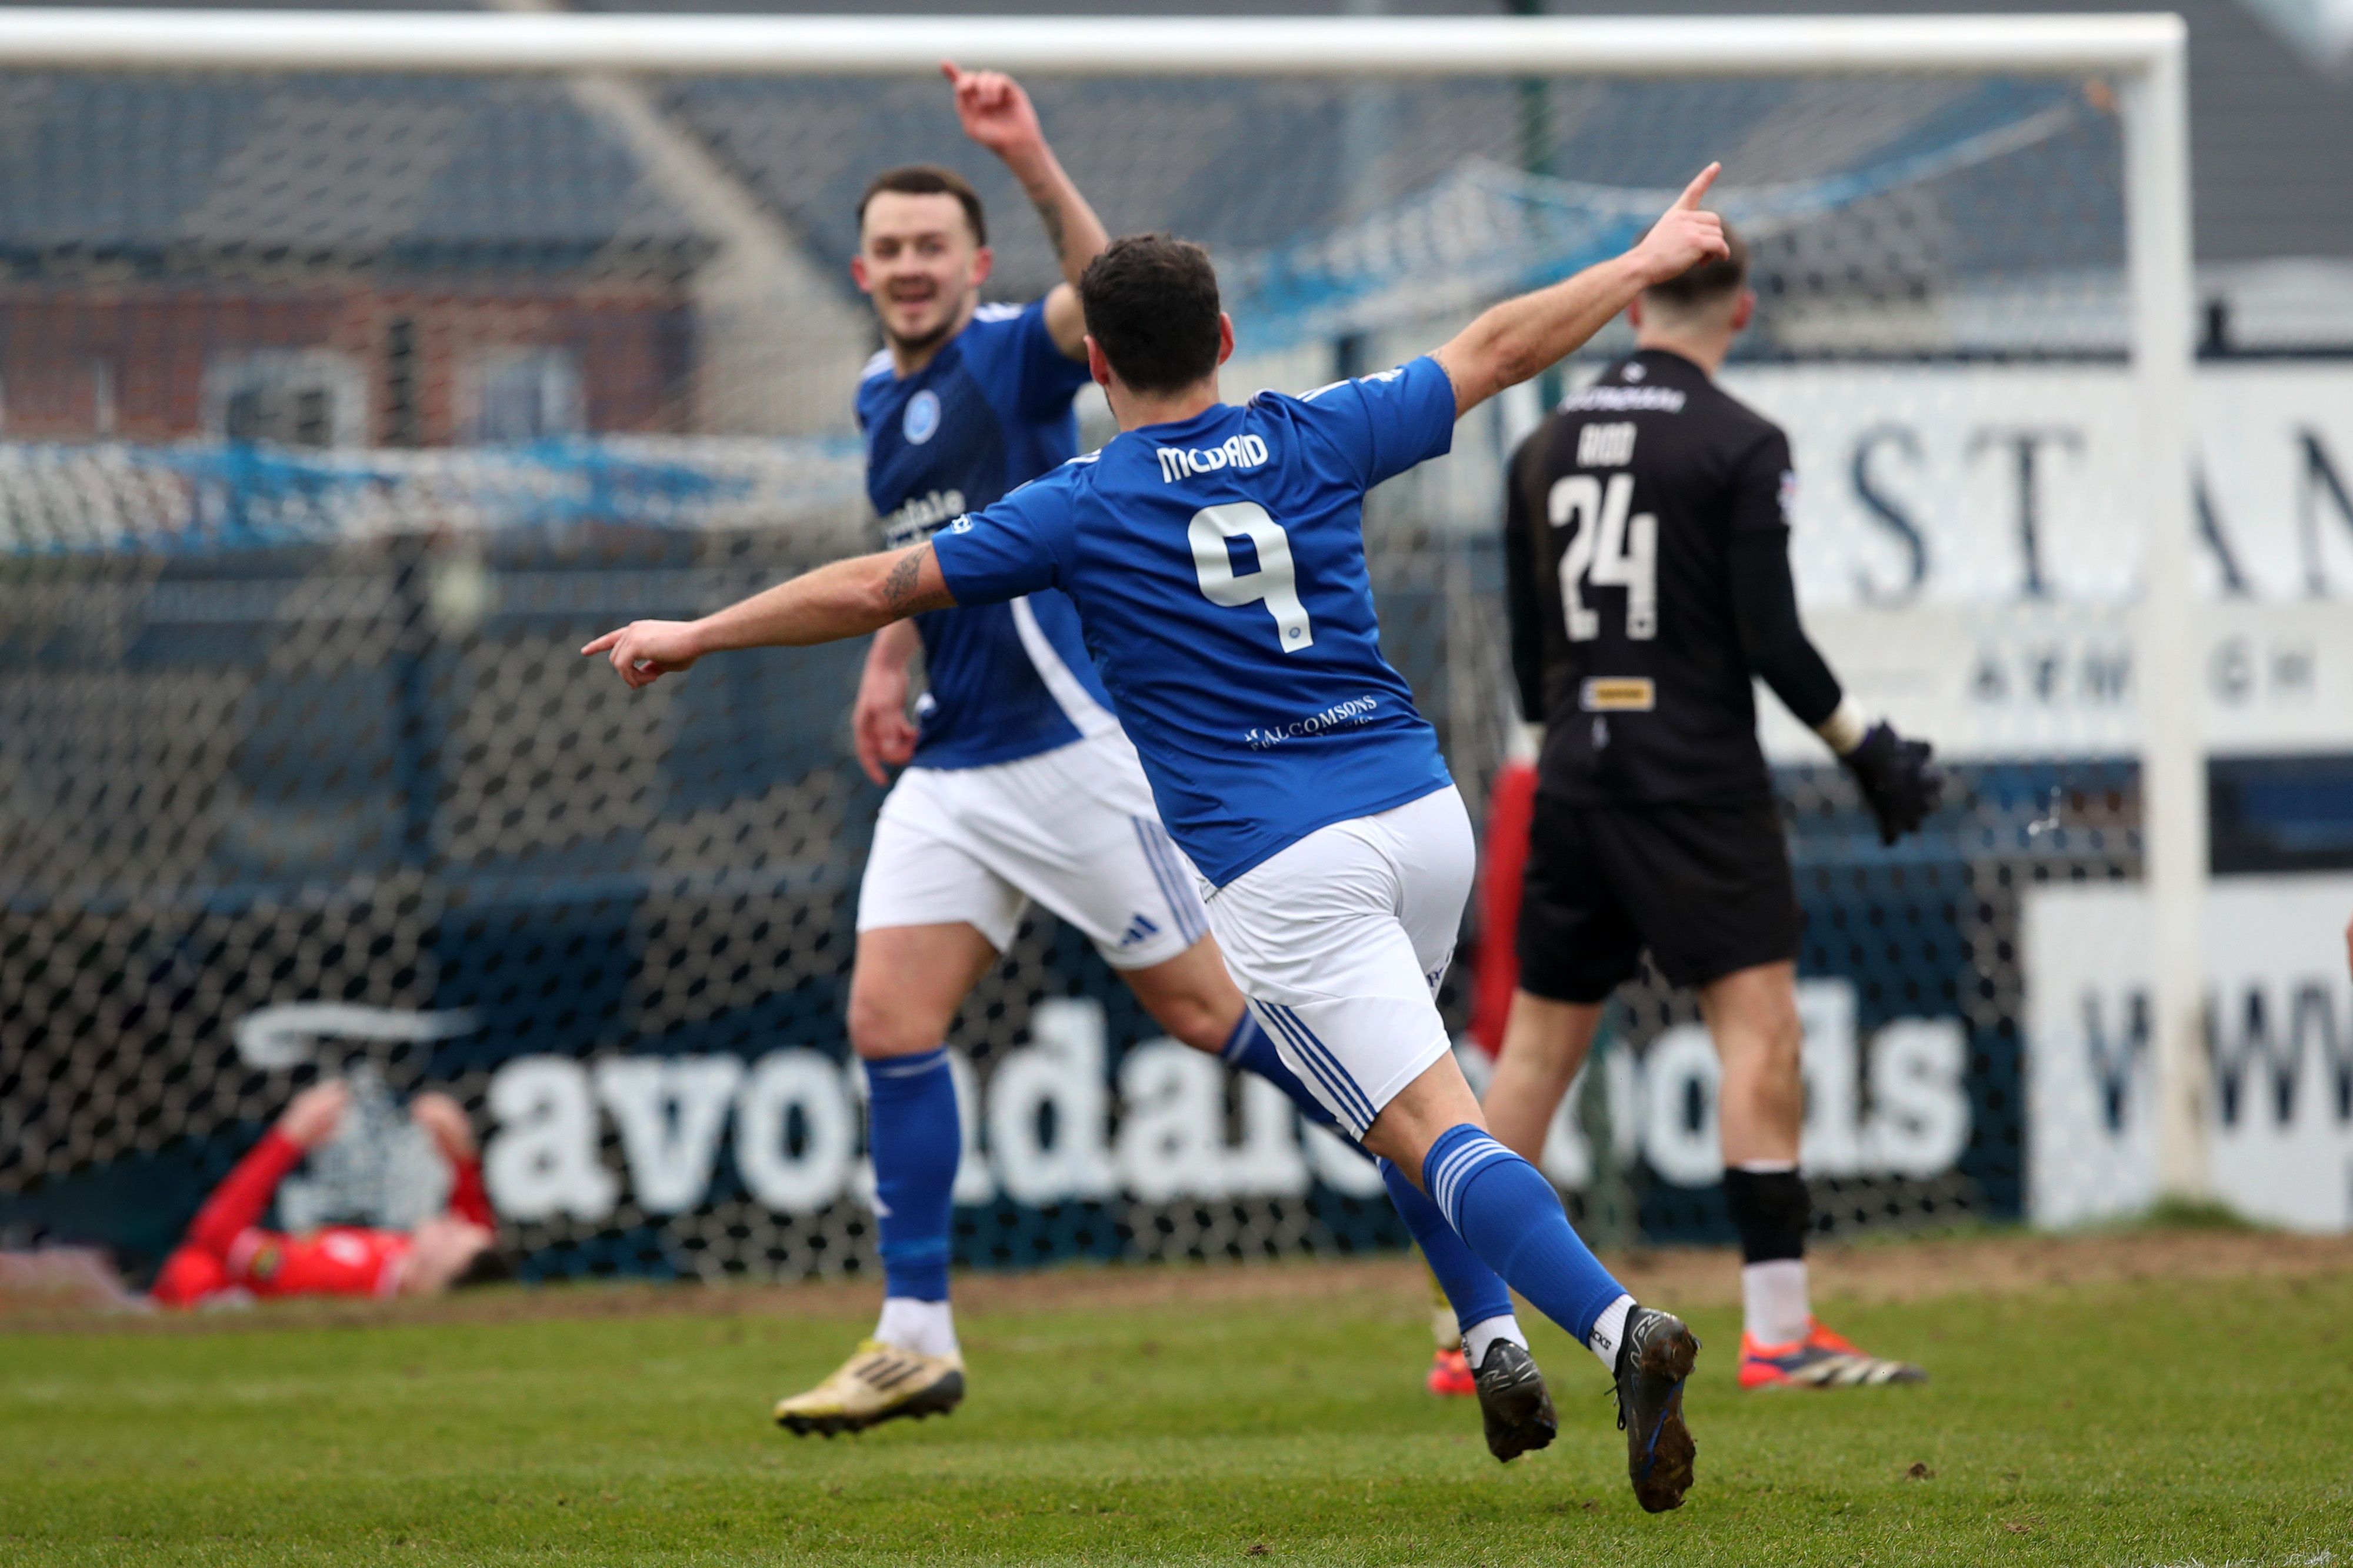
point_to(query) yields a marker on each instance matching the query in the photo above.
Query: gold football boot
(880, 1383)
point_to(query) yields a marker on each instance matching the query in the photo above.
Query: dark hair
(1710, 281)
(490, 1267)
(929, 180)
(1151, 300)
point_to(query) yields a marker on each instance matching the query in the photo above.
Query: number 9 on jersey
(1275, 583)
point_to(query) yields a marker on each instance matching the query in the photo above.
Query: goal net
(337, 406)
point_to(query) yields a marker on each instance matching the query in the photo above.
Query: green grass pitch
(2192, 1420)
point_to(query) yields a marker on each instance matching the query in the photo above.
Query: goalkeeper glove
(1896, 779)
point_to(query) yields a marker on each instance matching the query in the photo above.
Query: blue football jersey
(1217, 564)
(991, 411)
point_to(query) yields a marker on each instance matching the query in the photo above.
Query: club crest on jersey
(922, 420)
(1234, 452)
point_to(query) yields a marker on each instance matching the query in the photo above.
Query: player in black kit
(1647, 535)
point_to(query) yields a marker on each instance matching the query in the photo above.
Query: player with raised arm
(1216, 557)
(1018, 784)
(1647, 532)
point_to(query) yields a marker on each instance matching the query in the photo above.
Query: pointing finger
(951, 70)
(1697, 188)
(601, 643)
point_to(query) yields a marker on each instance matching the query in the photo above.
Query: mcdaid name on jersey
(1246, 451)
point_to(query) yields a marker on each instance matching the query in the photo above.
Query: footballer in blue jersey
(1018, 784)
(989, 410)
(1219, 564)
(1216, 558)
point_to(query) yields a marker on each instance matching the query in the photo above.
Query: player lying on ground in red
(227, 1256)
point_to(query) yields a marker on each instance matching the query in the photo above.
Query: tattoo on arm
(898, 588)
(1050, 213)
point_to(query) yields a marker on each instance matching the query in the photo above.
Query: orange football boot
(1820, 1360)
(1450, 1375)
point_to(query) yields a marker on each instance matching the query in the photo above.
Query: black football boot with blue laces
(1652, 1364)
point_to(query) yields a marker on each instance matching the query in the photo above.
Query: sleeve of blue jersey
(1021, 351)
(1005, 551)
(1382, 424)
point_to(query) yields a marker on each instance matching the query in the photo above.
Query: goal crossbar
(440, 41)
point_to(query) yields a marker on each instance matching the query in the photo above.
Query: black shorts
(1704, 886)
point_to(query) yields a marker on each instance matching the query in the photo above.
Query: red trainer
(1820, 1360)
(1450, 1377)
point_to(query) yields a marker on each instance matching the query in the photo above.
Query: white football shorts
(1073, 828)
(1339, 942)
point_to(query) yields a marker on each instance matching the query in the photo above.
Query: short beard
(929, 341)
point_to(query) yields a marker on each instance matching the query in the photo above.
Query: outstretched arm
(998, 115)
(845, 599)
(1520, 338)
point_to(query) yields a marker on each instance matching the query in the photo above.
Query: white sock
(1479, 1335)
(1609, 1332)
(927, 1328)
(1773, 1299)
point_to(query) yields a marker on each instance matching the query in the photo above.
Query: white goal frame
(2145, 55)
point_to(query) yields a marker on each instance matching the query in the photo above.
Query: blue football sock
(1511, 1216)
(1250, 1048)
(1471, 1288)
(915, 1139)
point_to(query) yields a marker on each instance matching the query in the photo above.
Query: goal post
(2173, 757)
(453, 506)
